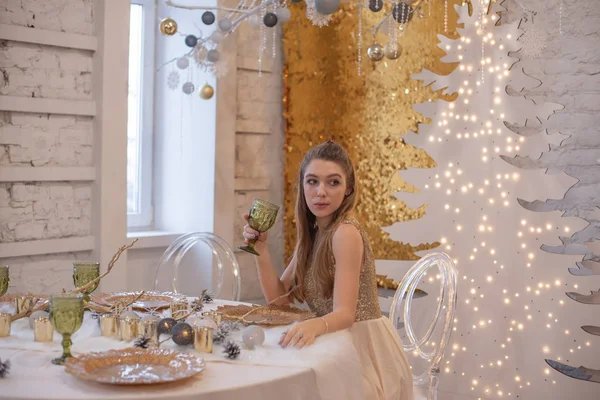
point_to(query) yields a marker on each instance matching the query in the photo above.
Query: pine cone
(142, 342)
(197, 305)
(220, 335)
(207, 297)
(231, 350)
(5, 367)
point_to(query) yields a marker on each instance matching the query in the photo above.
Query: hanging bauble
(165, 325)
(208, 18)
(37, 314)
(270, 20)
(254, 21)
(296, 1)
(188, 88)
(327, 7)
(191, 41)
(392, 50)
(207, 91)
(375, 52)
(225, 24)
(213, 55)
(183, 63)
(216, 37)
(168, 27)
(253, 336)
(182, 334)
(375, 5)
(283, 14)
(402, 13)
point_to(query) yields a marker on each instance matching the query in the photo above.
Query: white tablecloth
(328, 370)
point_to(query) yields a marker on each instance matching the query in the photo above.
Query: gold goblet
(260, 218)
(4, 279)
(66, 315)
(84, 273)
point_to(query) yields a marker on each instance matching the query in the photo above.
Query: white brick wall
(73, 16)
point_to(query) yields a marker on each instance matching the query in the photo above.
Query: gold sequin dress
(385, 368)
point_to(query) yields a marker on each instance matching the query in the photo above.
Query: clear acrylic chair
(446, 304)
(172, 257)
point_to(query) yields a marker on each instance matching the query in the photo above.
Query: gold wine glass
(260, 218)
(66, 316)
(84, 273)
(4, 279)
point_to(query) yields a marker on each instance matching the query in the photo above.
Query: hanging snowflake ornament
(173, 80)
(316, 17)
(534, 42)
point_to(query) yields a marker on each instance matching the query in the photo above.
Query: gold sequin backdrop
(326, 99)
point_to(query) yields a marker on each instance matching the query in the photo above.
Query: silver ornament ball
(188, 88)
(283, 14)
(183, 63)
(216, 36)
(254, 21)
(375, 52)
(327, 7)
(225, 24)
(213, 55)
(253, 336)
(392, 50)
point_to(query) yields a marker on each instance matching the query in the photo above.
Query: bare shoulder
(347, 235)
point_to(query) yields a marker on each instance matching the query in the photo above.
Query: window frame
(144, 219)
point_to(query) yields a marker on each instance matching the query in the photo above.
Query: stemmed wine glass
(66, 316)
(4, 279)
(261, 218)
(84, 273)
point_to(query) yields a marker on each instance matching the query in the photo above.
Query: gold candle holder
(109, 325)
(203, 339)
(149, 329)
(179, 309)
(42, 329)
(4, 324)
(24, 303)
(215, 316)
(128, 328)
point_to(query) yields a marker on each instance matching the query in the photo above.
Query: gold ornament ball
(392, 50)
(207, 92)
(375, 52)
(168, 27)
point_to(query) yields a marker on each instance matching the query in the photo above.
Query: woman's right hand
(261, 238)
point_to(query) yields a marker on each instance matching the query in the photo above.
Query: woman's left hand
(303, 333)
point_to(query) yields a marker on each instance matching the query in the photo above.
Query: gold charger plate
(150, 300)
(270, 315)
(135, 366)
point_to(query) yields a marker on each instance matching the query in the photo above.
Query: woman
(333, 271)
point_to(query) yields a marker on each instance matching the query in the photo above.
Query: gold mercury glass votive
(129, 328)
(203, 339)
(179, 309)
(24, 303)
(42, 329)
(215, 316)
(4, 324)
(149, 329)
(109, 325)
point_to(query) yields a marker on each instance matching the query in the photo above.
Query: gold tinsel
(325, 99)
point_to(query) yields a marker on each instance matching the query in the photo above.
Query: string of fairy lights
(475, 202)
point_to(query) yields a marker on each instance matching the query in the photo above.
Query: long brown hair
(319, 252)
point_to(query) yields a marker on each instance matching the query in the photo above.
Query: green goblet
(4, 279)
(84, 273)
(66, 316)
(260, 218)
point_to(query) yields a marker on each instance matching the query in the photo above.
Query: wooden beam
(49, 246)
(252, 184)
(251, 64)
(249, 126)
(47, 37)
(47, 106)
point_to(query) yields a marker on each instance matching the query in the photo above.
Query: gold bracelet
(326, 325)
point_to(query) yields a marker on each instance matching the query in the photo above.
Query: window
(140, 115)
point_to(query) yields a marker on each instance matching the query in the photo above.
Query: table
(327, 370)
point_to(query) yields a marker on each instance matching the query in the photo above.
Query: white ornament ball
(327, 7)
(225, 24)
(183, 63)
(254, 21)
(283, 14)
(130, 314)
(253, 336)
(194, 320)
(216, 36)
(36, 314)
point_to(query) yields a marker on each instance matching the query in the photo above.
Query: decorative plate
(270, 315)
(135, 366)
(150, 300)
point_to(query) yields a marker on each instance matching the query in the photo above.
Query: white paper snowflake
(316, 17)
(173, 80)
(534, 42)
